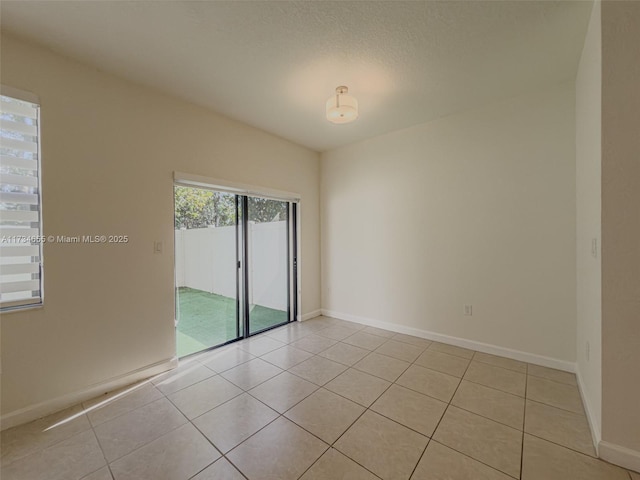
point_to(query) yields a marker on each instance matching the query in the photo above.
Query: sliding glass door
(207, 296)
(235, 266)
(268, 262)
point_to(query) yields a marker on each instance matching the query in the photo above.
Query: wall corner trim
(619, 455)
(459, 342)
(596, 436)
(42, 409)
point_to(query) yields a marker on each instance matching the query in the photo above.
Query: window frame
(34, 302)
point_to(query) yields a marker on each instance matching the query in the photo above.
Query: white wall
(109, 150)
(621, 233)
(206, 260)
(476, 208)
(588, 221)
(268, 264)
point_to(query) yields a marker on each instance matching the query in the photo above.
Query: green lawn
(206, 320)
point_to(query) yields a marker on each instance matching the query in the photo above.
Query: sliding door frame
(239, 331)
(243, 271)
(294, 254)
(291, 255)
(242, 193)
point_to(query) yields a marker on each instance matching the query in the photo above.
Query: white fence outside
(206, 260)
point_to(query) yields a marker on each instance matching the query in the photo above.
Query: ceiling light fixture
(341, 107)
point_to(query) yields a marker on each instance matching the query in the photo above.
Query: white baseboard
(459, 342)
(625, 457)
(42, 409)
(610, 452)
(310, 315)
(596, 436)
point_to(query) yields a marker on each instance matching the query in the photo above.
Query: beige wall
(588, 228)
(109, 150)
(476, 208)
(621, 225)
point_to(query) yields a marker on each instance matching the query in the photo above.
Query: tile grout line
(366, 409)
(521, 362)
(524, 423)
(378, 376)
(486, 418)
(441, 417)
(107, 463)
(234, 466)
(222, 454)
(429, 440)
(207, 411)
(445, 411)
(452, 397)
(200, 362)
(279, 415)
(369, 408)
(298, 375)
(340, 453)
(101, 450)
(560, 445)
(557, 408)
(124, 413)
(452, 354)
(259, 383)
(92, 428)
(494, 388)
(475, 459)
(100, 445)
(188, 421)
(552, 380)
(3, 464)
(451, 448)
(323, 387)
(292, 406)
(348, 399)
(191, 421)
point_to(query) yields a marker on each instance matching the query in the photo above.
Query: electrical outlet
(588, 351)
(468, 310)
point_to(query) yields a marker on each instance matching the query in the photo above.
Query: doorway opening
(235, 266)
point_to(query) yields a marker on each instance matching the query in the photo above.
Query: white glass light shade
(341, 107)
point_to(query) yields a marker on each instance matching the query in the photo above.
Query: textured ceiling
(273, 64)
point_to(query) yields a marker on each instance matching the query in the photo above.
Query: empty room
(320, 240)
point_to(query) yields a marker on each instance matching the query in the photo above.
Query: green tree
(265, 210)
(200, 208)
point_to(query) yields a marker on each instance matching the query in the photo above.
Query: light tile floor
(323, 399)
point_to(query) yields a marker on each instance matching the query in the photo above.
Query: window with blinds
(20, 206)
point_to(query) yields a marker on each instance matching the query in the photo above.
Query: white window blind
(20, 208)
